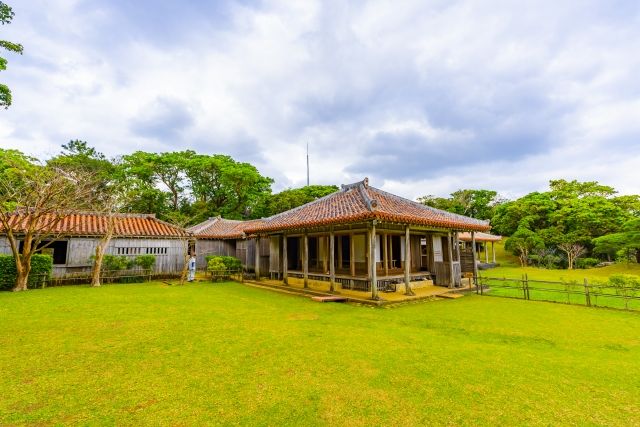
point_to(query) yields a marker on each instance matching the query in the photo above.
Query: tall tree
(478, 204)
(294, 197)
(627, 240)
(34, 200)
(6, 16)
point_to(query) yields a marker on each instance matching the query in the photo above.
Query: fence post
(587, 296)
(526, 285)
(524, 291)
(475, 282)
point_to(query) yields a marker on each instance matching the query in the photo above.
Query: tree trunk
(638, 256)
(23, 268)
(97, 266)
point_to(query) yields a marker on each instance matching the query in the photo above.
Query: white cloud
(470, 94)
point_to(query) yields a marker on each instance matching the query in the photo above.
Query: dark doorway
(346, 251)
(57, 250)
(293, 251)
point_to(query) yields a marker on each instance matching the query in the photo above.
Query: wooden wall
(205, 247)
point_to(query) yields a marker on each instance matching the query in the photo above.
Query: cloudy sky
(423, 97)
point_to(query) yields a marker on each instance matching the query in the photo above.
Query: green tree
(627, 240)
(294, 197)
(77, 155)
(478, 204)
(6, 16)
(522, 243)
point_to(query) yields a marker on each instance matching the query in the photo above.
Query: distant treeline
(573, 223)
(183, 184)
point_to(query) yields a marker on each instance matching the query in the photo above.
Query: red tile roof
(220, 228)
(359, 202)
(90, 224)
(480, 237)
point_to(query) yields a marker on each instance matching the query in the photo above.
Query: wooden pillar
(475, 265)
(452, 280)
(386, 253)
(332, 263)
(340, 251)
(257, 267)
(493, 249)
(457, 241)
(407, 262)
(486, 252)
(305, 260)
(372, 261)
(285, 260)
(352, 255)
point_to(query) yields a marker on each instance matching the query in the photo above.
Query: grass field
(152, 354)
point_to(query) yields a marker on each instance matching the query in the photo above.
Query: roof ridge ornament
(364, 182)
(372, 204)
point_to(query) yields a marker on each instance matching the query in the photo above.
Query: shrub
(216, 267)
(146, 262)
(625, 284)
(229, 262)
(116, 262)
(587, 262)
(41, 268)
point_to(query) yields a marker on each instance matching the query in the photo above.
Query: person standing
(192, 269)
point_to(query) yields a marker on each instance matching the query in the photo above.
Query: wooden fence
(567, 292)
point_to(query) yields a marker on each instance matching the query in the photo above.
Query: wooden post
(305, 260)
(372, 261)
(285, 260)
(457, 241)
(257, 267)
(475, 265)
(452, 280)
(332, 264)
(385, 245)
(352, 256)
(340, 251)
(587, 296)
(407, 262)
(486, 252)
(493, 249)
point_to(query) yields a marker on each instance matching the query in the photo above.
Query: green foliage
(112, 263)
(479, 204)
(625, 242)
(625, 284)
(294, 197)
(146, 262)
(587, 262)
(522, 243)
(41, 268)
(6, 16)
(227, 262)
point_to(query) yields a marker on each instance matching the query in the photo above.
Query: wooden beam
(340, 251)
(450, 254)
(352, 255)
(457, 241)
(305, 260)
(486, 252)
(385, 245)
(372, 258)
(257, 267)
(332, 264)
(475, 265)
(407, 262)
(285, 260)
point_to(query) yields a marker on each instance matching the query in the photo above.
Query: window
(57, 250)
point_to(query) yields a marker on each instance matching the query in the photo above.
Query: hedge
(41, 267)
(230, 263)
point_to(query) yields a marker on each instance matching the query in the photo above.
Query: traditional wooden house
(219, 236)
(356, 237)
(482, 241)
(134, 234)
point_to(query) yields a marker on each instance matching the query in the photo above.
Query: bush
(146, 262)
(115, 262)
(625, 284)
(587, 262)
(229, 262)
(41, 268)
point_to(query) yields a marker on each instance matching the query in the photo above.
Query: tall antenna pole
(307, 163)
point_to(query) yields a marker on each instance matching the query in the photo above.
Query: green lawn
(152, 354)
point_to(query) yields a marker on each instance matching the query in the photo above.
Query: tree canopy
(6, 16)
